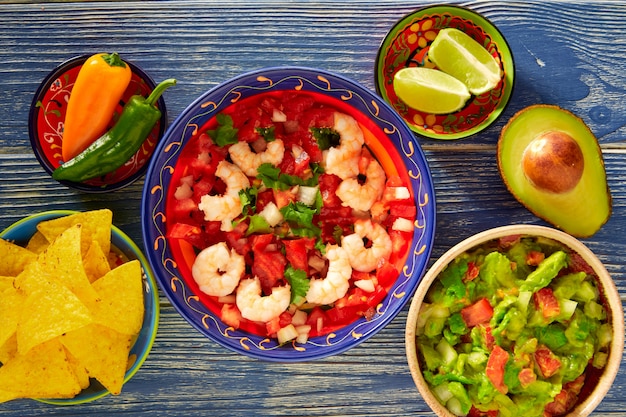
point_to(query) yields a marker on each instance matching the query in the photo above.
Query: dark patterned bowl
(407, 44)
(393, 144)
(47, 114)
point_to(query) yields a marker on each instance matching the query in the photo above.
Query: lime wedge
(429, 90)
(457, 54)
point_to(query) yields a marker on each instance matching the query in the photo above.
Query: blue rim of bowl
(151, 318)
(160, 171)
(479, 20)
(33, 132)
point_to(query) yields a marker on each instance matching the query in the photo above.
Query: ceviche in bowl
(515, 321)
(290, 214)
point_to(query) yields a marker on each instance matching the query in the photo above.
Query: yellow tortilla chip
(120, 304)
(110, 364)
(63, 260)
(44, 372)
(9, 349)
(6, 282)
(95, 262)
(38, 243)
(14, 258)
(79, 370)
(96, 224)
(50, 309)
(11, 302)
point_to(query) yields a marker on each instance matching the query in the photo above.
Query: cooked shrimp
(226, 207)
(218, 270)
(335, 285)
(362, 196)
(367, 259)
(249, 161)
(343, 160)
(253, 306)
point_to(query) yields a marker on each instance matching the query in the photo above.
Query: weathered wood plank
(570, 53)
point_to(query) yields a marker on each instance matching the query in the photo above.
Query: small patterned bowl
(47, 114)
(407, 44)
(391, 142)
(21, 231)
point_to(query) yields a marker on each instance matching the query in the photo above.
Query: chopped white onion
(286, 334)
(402, 225)
(366, 285)
(271, 214)
(278, 116)
(299, 318)
(307, 195)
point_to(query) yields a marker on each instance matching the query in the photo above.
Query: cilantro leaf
(299, 283)
(273, 178)
(326, 137)
(225, 134)
(299, 216)
(267, 133)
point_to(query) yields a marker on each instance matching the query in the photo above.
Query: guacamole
(513, 328)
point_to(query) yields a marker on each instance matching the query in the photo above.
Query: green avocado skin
(581, 211)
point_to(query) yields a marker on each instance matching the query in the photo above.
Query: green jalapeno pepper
(111, 150)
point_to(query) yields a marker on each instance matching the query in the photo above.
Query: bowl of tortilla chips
(72, 286)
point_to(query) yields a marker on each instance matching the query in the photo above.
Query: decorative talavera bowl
(545, 352)
(406, 45)
(47, 115)
(23, 230)
(167, 235)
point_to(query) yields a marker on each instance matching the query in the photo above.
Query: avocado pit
(553, 162)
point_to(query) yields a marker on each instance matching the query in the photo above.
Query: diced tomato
(263, 198)
(202, 187)
(181, 210)
(477, 313)
(387, 274)
(340, 316)
(269, 267)
(547, 361)
(471, 273)
(495, 368)
(399, 242)
(272, 326)
(309, 144)
(534, 257)
(231, 315)
(546, 302)
(567, 398)
(189, 233)
(328, 184)
(355, 297)
(526, 377)
(402, 208)
(237, 240)
(260, 242)
(283, 198)
(475, 412)
(317, 320)
(297, 251)
(488, 336)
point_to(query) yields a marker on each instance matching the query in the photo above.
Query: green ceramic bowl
(21, 231)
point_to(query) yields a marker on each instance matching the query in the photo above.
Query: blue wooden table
(570, 53)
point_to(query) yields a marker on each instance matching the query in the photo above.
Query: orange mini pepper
(99, 86)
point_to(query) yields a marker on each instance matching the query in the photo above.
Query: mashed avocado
(510, 328)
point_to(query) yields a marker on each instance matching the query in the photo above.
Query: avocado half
(552, 163)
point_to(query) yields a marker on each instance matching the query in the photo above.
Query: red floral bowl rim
(481, 111)
(36, 141)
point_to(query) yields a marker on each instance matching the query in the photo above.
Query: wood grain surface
(570, 53)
